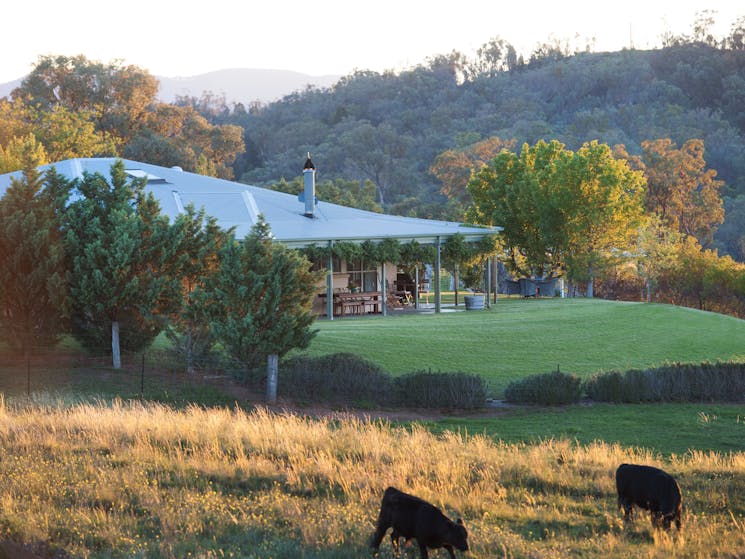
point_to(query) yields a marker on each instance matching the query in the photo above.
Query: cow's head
(459, 536)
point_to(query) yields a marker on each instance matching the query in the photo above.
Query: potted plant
(353, 287)
(473, 278)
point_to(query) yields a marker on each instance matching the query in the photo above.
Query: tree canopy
(261, 298)
(681, 190)
(76, 107)
(34, 297)
(561, 211)
(121, 263)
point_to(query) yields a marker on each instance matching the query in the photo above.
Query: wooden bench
(357, 303)
(351, 306)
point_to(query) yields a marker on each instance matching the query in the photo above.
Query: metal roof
(238, 205)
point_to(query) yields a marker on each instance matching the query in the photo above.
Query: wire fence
(153, 374)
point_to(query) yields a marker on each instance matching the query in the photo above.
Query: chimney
(309, 187)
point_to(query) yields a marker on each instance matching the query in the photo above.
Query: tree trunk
(649, 289)
(590, 285)
(189, 353)
(27, 356)
(272, 373)
(456, 280)
(115, 354)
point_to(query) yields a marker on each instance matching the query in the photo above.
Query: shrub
(706, 382)
(333, 378)
(615, 386)
(345, 377)
(440, 390)
(550, 389)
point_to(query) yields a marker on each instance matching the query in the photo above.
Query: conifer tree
(201, 240)
(262, 299)
(122, 263)
(33, 289)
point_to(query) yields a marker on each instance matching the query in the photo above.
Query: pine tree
(123, 276)
(262, 297)
(200, 239)
(33, 289)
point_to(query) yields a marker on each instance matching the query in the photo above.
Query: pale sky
(320, 37)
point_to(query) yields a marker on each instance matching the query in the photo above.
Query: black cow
(652, 489)
(412, 517)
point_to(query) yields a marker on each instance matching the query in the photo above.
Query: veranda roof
(238, 205)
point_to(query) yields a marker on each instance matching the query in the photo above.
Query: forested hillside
(389, 128)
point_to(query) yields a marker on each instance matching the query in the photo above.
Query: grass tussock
(144, 480)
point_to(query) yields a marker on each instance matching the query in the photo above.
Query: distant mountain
(242, 85)
(6, 88)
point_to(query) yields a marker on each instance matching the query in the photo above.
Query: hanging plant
(370, 251)
(389, 250)
(348, 251)
(315, 252)
(457, 251)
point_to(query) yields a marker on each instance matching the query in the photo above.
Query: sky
(321, 37)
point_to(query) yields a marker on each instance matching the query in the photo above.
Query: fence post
(272, 370)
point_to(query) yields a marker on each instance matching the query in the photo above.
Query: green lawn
(661, 428)
(519, 337)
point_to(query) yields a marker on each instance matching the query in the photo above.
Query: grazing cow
(652, 489)
(412, 517)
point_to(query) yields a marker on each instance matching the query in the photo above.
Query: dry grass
(134, 480)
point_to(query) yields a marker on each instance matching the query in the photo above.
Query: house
(296, 221)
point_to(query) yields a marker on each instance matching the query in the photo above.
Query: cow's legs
(423, 551)
(378, 536)
(628, 508)
(657, 518)
(450, 550)
(394, 540)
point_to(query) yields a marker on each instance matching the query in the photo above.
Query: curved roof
(238, 205)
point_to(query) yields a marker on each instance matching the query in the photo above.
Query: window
(365, 279)
(323, 262)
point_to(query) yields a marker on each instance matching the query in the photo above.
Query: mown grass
(518, 338)
(144, 480)
(664, 429)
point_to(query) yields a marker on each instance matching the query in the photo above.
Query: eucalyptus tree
(453, 167)
(118, 95)
(83, 108)
(64, 133)
(681, 189)
(351, 193)
(170, 135)
(15, 155)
